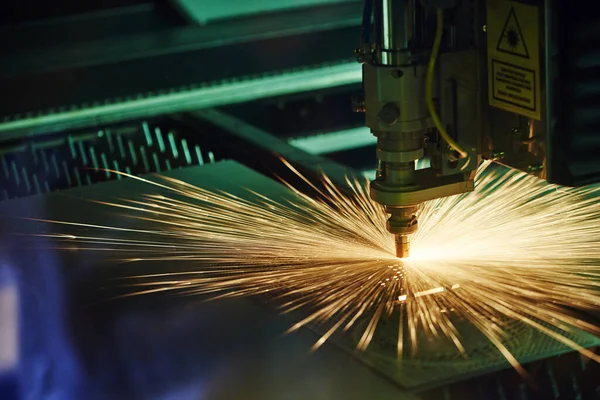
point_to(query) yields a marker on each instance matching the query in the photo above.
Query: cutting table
(156, 346)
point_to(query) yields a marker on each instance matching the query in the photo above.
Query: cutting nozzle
(402, 246)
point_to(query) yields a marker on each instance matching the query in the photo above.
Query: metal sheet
(151, 347)
(335, 141)
(158, 347)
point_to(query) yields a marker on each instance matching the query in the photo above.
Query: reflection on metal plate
(8, 324)
(276, 362)
(205, 11)
(335, 141)
(161, 347)
(438, 362)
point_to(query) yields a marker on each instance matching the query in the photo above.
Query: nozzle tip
(402, 246)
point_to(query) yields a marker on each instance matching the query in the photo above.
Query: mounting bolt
(364, 54)
(397, 73)
(389, 114)
(535, 168)
(496, 155)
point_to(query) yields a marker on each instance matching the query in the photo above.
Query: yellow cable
(429, 87)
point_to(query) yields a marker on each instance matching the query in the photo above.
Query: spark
(515, 250)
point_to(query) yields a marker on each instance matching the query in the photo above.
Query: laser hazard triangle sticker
(511, 40)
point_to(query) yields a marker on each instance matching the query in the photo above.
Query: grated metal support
(83, 158)
(569, 376)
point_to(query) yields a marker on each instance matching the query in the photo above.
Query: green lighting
(335, 141)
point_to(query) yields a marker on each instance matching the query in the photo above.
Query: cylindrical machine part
(395, 101)
(403, 220)
(393, 30)
(402, 246)
(401, 32)
(400, 174)
(402, 223)
(396, 112)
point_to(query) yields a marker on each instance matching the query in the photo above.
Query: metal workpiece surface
(149, 347)
(156, 346)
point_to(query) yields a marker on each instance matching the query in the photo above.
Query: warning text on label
(513, 85)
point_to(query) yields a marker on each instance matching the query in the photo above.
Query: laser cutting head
(401, 88)
(397, 115)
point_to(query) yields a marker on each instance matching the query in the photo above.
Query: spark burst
(516, 249)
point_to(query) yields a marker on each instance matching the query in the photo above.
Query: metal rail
(228, 92)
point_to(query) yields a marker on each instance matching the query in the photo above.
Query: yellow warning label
(513, 57)
(514, 85)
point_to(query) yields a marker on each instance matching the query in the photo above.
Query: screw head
(497, 155)
(389, 114)
(397, 73)
(534, 168)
